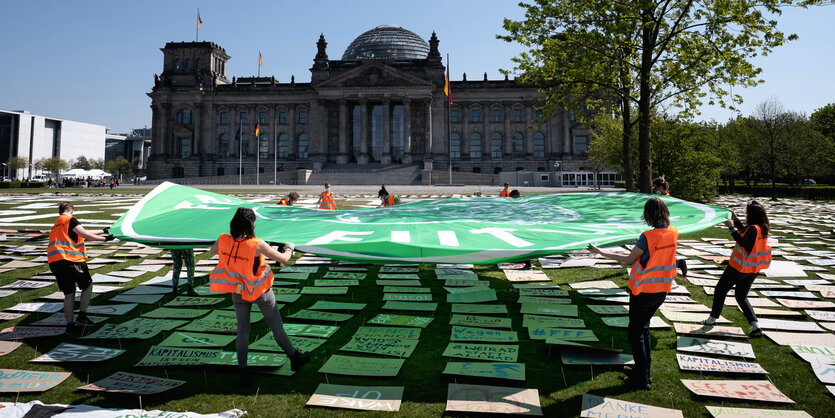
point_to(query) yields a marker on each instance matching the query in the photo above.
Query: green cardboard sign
(194, 301)
(292, 276)
(549, 309)
(315, 290)
(479, 309)
(310, 330)
(393, 347)
(562, 334)
(485, 335)
(537, 321)
(609, 309)
(390, 276)
(174, 313)
(477, 296)
(410, 306)
(401, 320)
(345, 275)
(510, 371)
(194, 339)
(388, 332)
(137, 328)
(326, 305)
(479, 321)
(489, 352)
(300, 269)
(362, 366)
(544, 300)
(303, 344)
(552, 293)
(310, 315)
(219, 322)
(407, 283)
(406, 289)
(335, 282)
(408, 297)
(175, 356)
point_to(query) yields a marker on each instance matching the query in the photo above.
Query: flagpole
(449, 118)
(197, 27)
(240, 150)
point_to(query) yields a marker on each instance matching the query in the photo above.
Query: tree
(663, 53)
(17, 163)
(823, 120)
(54, 165)
(96, 163)
(770, 125)
(118, 166)
(82, 162)
(685, 153)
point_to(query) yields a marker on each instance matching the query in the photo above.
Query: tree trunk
(644, 116)
(628, 174)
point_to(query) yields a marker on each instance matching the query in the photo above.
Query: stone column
(166, 129)
(407, 131)
(428, 123)
(385, 158)
(363, 158)
(292, 150)
(196, 136)
(529, 138)
(156, 133)
(252, 119)
(342, 158)
(508, 139)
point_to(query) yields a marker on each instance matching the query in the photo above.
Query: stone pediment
(375, 74)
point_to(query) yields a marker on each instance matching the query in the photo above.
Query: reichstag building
(381, 104)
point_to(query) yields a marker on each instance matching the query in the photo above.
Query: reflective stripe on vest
(61, 247)
(504, 193)
(660, 270)
(233, 273)
(759, 259)
(327, 201)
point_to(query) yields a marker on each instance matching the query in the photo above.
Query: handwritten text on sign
(29, 381)
(755, 390)
(364, 398)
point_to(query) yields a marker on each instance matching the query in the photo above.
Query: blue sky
(94, 61)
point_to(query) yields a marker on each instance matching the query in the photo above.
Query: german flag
(446, 86)
(257, 129)
(260, 62)
(199, 20)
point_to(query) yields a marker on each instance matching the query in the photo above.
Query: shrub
(818, 193)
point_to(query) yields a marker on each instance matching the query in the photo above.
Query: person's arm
(272, 253)
(213, 250)
(746, 242)
(619, 257)
(90, 236)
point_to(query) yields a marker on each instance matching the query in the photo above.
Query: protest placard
(392, 305)
(775, 312)
(783, 294)
(595, 284)
(609, 309)
(319, 290)
(706, 364)
(408, 297)
(219, 321)
(824, 371)
(303, 344)
(7, 347)
(461, 333)
(583, 356)
(58, 319)
(401, 320)
(684, 307)
(336, 282)
(479, 309)
(137, 328)
(326, 305)
(310, 330)
(709, 330)
(717, 347)
(364, 398)
(393, 347)
(402, 269)
(311, 315)
(791, 338)
(22, 332)
(4, 293)
(500, 370)
(40, 307)
(134, 384)
(362, 366)
(29, 381)
(489, 352)
(395, 276)
(340, 275)
(677, 316)
(752, 390)
(299, 269)
(66, 352)
(147, 290)
(140, 299)
(393, 282)
(623, 322)
(174, 313)
(730, 412)
(755, 302)
(597, 407)
(479, 295)
(196, 339)
(783, 325)
(388, 332)
(177, 356)
(27, 284)
(562, 334)
(812, 353)
(549, 309)
(543, 299)
(547, 292)
(538, 321)
(406, 289)
(194, 301)
(492, 400)
(602, 292)
(480, 321)
(292, 276)
(9, 316)
(806, 304)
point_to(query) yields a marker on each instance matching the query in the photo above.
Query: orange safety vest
(759, 258)
(390, 201)
(657, 276)
(667, 194)
(504, 193)
(233, 273)
(283, 202)
(61, 247)
(327, 201)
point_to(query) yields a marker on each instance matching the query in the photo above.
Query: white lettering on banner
(448, 238)
(208, 202)
(338, 236)
(504, 235)
(400, 236)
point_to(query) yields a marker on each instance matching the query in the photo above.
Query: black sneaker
(297, 360)
(191, 292)
(755, 333)
(244, 378)
(83, 320)
(637, 384)
(627, 370)
(72, 330)
(527, 265)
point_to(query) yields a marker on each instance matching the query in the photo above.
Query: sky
(94, 61)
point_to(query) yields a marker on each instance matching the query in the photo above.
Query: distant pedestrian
(505, 192)
(112, 183)
(382, 192)
(661, 186)
(181, 257)
(326, 199)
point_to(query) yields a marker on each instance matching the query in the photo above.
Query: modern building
(381, 104)
(34, 137)
(134, 146)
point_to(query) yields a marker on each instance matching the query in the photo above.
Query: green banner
(458, 230)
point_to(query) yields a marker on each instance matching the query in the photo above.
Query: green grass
(560, 387)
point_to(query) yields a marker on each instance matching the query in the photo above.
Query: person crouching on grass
(653, 261)
(243, 271)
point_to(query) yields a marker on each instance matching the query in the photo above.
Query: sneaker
(297, 360)
(682, 266)
(755, 333)
(527, 265)
(244, 378)
(72, 330)
(83, 320)
(637, 384)
(628, 371)
(191, 292)
(705, 322)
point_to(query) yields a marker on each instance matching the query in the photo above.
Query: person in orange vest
(506, 191)
(243, 272)
(326, 199)
(112, 183)
(389, 200)
(118, 182)
(661, 186)
(289, 200)
(653, 260)
(67, 258)
(750, 255)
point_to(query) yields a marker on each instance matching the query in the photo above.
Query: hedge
(21, 185)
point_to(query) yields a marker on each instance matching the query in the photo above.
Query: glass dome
(387, 42)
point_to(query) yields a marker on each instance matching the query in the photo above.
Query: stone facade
(353, 114)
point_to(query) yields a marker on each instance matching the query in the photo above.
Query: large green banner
(458, 230)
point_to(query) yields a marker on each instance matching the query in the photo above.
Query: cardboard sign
(310, 330)
(26, 284)
(774, 312)
(562, 334)
(509, 371)
(806, 304)
(596, 407)
(394, 276)
(134, 384)
(140, 299)
(4, 293)
(596, 284)
(526, 276)
(825, 372)
(174, 356)
(219, 322)
(147, 290)
(752, 390)
(194, 301)
(303, 344)
(174, 313)
(472, 334)
(29, 381)
(602, 292)
(489, 352)
(7, 347)
(326, 305)
(717, 347)
(543, 299)
(783, 325)
(337, 276)
(676, 316)
(549, 309)
(582, 357)
(419, 297)
(59, 320)
(300, 269)
(461, 283)
(10, 316)
(137, 328)
(383, 346)
(292, 276)
(19, 332)
(310, 315)
(66, 352)
(781, 294)
(116, 310)
(480, 321)
(553, 293)
(409, 306)
(537, 321)
(401, 320)
(42, 307)
(362, 366)
(609, 309)
(364, 398)
(623, 322)
(335, 282)
(192, 339)
(313, 290)
(821, 315)
(492, 400)
(792, 338)
(479, 309)
(706, 364)
(684, 307)
(709, 330)
(388, 332)
(477, 296)
(728, 412)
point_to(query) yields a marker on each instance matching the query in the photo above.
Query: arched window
(199, 64)
(283, 145)
(454, 145)
(518, 144)
(475, 145)
(188, 63)
(538, 145)
(244, 145)
(223, 146)
(496, 145)
(263, 146)
(184, 117)
(302, 143)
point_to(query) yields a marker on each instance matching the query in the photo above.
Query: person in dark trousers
(67, 257)
(653, 260)
(182, 257)
(242, 270)
(750, 255)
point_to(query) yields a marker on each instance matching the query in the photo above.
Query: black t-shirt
(73, 223)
